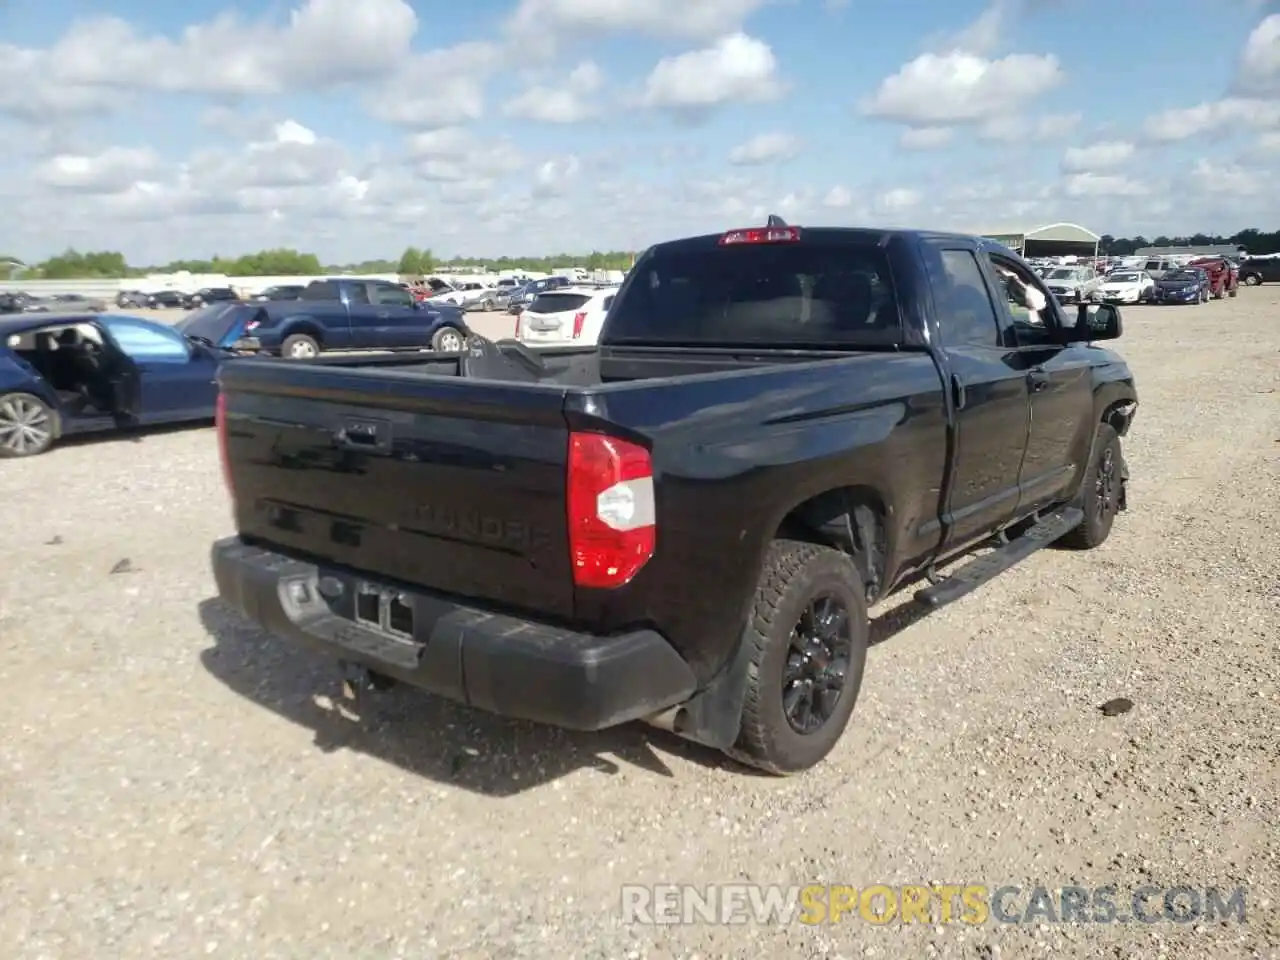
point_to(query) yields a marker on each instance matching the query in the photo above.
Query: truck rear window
(557, 302)
(803, 294)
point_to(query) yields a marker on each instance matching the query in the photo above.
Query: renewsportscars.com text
(973, 904)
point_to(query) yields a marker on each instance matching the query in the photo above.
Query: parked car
(212, 295)
(524, 296)
(1126, 286)
(1224, 276)
(1186, 285)
(352, 314)
(686, 524)
(1258, 270)
(75, 374)
(1073, 284)
(11, 303)
(564, 316)
(168, 299)
(1157, 267)
(285, 291)
(131, 298)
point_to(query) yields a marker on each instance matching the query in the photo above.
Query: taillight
(612, 514)
(251, 326)
(761, 235)
(220, 420)
(579, 320)
(519, 317)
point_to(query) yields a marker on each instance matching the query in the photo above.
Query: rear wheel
(447, 340)
(1252, 280)
(299, 347)
(807, 642)
(26, 425)
(1103, 492)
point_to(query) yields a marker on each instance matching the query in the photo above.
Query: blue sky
(539, 126)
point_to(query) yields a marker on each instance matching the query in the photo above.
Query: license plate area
(383, 609)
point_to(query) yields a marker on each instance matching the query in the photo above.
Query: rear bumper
(506, 665)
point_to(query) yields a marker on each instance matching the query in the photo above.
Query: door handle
(958, 396)
(1037, 379)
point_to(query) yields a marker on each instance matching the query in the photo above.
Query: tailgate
(456, 485)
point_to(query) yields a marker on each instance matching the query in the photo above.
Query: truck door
(989, 394)
(401, 322)
(1060, 381)
(362, 319)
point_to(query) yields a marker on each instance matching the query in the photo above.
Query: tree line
(284, 262)
(416, 261)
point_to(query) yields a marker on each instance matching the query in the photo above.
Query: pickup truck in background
(349, 315)
(687, 523)
(1224, 276)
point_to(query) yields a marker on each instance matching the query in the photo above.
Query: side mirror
(1096, 321)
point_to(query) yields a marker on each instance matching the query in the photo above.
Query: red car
(1224, 278)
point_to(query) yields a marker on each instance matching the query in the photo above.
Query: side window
(393, 296)
(608, 302)
(145, 342)
(1030, 305)
(968, 317)
(357, 293)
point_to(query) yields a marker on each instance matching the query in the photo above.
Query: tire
(796, 577)
(1106, 465)
(448, 340)
(299, 346)
(27, 425)
(1252, 280)
(486, 306)
(1234, 291)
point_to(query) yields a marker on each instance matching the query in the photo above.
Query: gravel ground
(174, 783)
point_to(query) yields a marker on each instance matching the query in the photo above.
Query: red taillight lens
(220, 419)
(761, 235)
(612, 513)
(579, 321)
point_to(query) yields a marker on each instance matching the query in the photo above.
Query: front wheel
(1103, 492)
(299, 347)
(807, 643)
(1252, 280)
(447, 340)
(26, 425)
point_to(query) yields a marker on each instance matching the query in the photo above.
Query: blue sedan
(77, 373)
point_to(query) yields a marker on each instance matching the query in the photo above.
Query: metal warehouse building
(1054, 240)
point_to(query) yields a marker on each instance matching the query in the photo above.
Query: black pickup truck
(686, 524)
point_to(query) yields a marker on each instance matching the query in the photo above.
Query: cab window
(1028, 303)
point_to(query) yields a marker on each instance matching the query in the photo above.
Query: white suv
(565, 316)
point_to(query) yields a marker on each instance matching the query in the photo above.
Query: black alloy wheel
(817, 665)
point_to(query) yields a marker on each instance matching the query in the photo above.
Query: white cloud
(736, 68)
(1104, 185)
(838, 198)
(899, 200)
(764, 148)
(1226, 179)
(958, 88)
(1187, 122)
(554, 177)
(1259, 73)
(1030, 129)
(695, 19)
(98, 62)
(925, 138)
(1096, 157)
(112, 170)
(438, 88)
(570, 103)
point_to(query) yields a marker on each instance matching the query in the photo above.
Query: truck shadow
(423, 734)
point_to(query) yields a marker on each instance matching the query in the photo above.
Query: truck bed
(405, 469)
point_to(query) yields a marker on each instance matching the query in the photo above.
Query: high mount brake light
(611, 510)
(220, 420)
(761, 235)
(579, 321)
